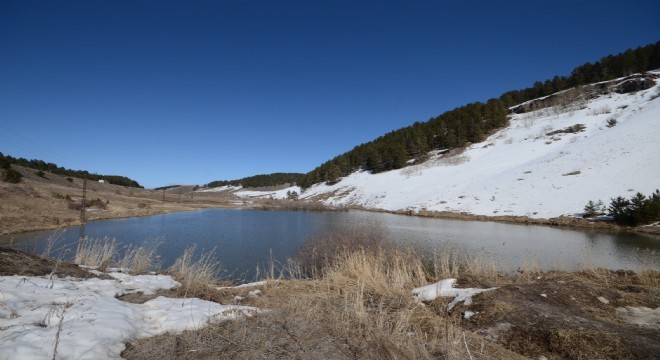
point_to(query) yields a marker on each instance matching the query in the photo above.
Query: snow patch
(271, 194)
(445, 288)
(42, 318)
(640, 315)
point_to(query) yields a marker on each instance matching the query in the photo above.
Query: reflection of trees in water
(643, 249)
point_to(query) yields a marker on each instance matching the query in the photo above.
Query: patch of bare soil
(15, 262)
(267, 336)
(570, 316)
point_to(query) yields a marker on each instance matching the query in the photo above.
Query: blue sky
(170, 92)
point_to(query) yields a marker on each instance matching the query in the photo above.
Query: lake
(246, 239)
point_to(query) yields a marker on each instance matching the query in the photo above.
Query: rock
(603, 300)
(631, 85)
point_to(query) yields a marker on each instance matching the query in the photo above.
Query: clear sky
(171, 92)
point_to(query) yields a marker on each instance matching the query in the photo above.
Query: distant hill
(472, 123)
(40, 165)
(257, 181)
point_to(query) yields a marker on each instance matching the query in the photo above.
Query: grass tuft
(195, 274)
(141, 259)
(96, 252)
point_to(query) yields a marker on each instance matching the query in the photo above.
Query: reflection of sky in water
(244, 239)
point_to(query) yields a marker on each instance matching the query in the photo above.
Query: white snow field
(520, 170)
(42, 318)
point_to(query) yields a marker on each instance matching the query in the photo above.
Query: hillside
(471, 123)
(598, 142)
(40, 165)
(258, 181)
(52, 201)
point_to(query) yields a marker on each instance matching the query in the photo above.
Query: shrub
(63, 197)
(69, 179)
(611, 122)
(12, 176)
(97, 203)
(292, 195)
(594, 209)
(40, 174)
(637, 210)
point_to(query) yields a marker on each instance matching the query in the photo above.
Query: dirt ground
(563, 315)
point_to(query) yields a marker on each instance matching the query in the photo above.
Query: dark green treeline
(473, 122)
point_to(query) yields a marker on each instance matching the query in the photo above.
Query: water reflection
(244, 239)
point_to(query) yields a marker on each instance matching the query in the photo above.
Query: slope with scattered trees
(6, 161)
(471, 123)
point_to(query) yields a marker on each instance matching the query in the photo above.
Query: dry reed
(96, 252)
(195, 274)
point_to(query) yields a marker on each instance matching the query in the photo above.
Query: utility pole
(82, 208)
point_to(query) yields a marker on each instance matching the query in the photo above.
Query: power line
(82, 208)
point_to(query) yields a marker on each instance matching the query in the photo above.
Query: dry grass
(141, 259)
(105, 253)
(357, 306)
(96, 252)
(195, 273)
(39, 203)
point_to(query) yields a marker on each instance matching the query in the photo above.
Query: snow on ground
(221, 188)
(640, 315)
(268, 194)
(73, 318)
(520, 170)
(445, 288)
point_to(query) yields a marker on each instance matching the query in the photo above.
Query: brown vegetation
(358, 304)
(39, 203)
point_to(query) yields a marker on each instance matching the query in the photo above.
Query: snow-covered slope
(521, 170)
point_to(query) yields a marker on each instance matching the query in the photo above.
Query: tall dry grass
(195, 273)
(96, 252)
(105, 253)
(141, 259)
(355, 289)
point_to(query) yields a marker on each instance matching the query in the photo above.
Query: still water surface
(245, 239)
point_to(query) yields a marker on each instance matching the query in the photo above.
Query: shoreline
(566, 222)
(560, 221)
(590, 312)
